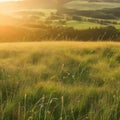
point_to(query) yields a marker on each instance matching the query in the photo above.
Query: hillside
(34, 4)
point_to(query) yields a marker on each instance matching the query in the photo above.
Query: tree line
(32, 32)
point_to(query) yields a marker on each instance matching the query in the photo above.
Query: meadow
(60, 81)
(81, 25)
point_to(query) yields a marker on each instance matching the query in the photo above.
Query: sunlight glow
(8, 0)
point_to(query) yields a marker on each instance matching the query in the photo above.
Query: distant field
(60, 81)
(82, 25)
(117, 26)
(84, 5)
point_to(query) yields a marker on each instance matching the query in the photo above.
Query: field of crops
(60, 81)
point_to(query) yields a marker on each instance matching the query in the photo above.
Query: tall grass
(60, 81)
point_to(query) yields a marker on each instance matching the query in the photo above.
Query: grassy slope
(60, 80)
(84, 5)
(89, 6)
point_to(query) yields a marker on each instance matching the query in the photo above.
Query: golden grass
(35, 77)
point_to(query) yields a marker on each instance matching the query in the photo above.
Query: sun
(7, 0)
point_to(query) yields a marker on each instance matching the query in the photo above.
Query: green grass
(84, 5)
(117, 26)
(60, 81)
(82, 25)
